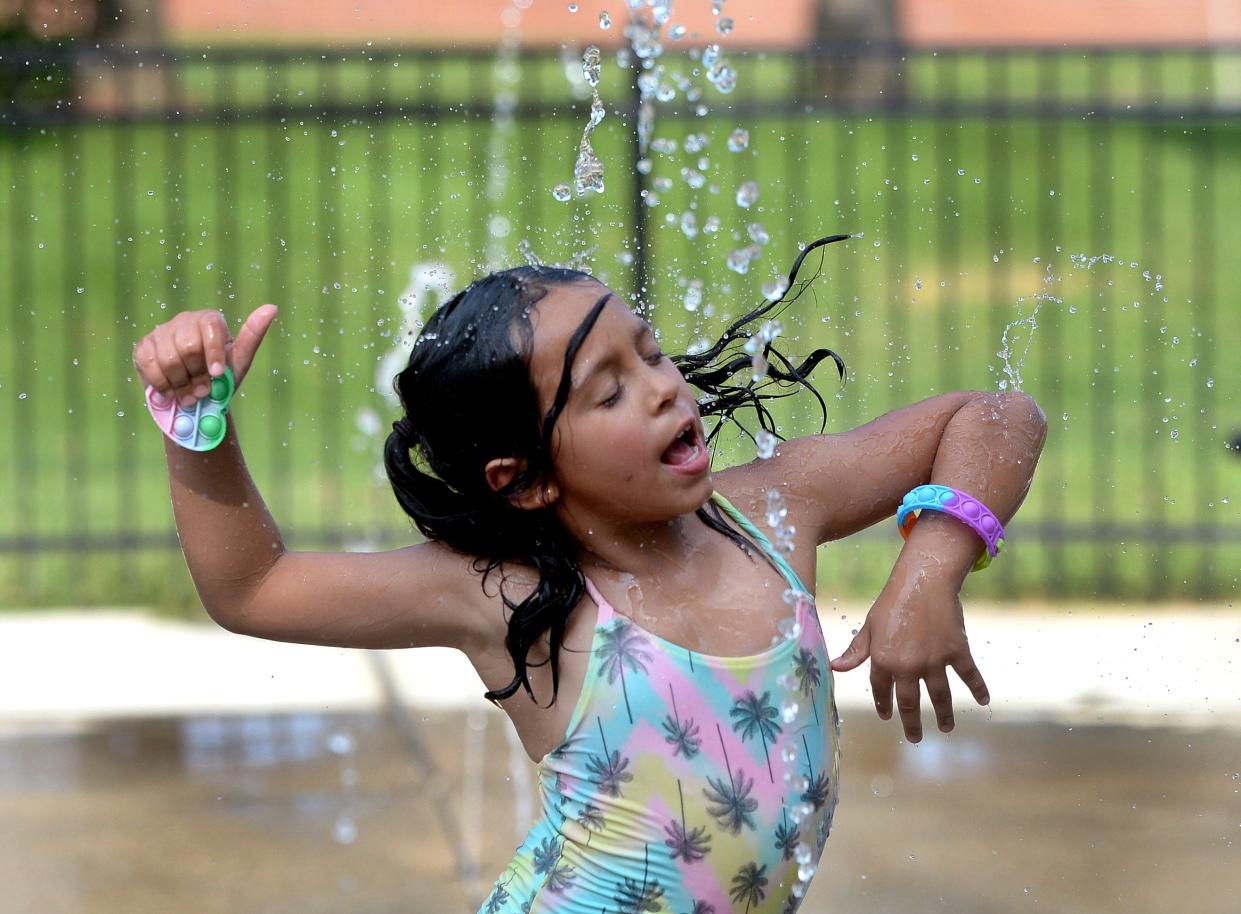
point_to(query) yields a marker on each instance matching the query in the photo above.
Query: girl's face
(626, 404)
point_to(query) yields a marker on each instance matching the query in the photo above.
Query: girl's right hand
(179, 358)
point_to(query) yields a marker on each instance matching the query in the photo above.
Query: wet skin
(634, 520)
(660, 565)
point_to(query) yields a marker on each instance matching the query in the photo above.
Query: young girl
(660, 660)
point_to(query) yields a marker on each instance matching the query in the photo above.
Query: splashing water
(1009, 338)
(588, 172)
(747, 194)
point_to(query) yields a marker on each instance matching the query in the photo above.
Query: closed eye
(655, 358)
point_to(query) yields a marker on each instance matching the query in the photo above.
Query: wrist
(941, 545)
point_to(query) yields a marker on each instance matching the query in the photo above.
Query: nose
(664, 385)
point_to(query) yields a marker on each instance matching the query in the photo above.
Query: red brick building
(785, 23)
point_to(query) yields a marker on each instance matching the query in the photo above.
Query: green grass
(326, 219)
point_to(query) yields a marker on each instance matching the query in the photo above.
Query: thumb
(857, 651)
(248, 340)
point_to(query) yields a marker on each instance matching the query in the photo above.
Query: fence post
(638, 204)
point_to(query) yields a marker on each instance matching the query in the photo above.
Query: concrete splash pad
(151, 766)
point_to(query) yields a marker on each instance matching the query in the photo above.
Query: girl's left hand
(914, 631)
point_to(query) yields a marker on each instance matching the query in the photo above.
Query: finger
(170, 361)
(857, 651)
(941, 698)
(215, 335)
(909, 704)
(147, 363)
(187, 335)
(972, 678)
(249, 337)
(881, 688)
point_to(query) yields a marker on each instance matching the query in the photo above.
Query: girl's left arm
(985, 444)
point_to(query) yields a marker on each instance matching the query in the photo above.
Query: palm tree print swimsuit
(686, 783)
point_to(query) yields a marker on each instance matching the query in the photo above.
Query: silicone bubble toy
(958, 504)
(199, 427)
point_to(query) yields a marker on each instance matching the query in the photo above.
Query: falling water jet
(588, 172)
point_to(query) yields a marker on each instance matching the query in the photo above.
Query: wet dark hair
(469, 399)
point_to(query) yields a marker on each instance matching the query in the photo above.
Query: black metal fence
(355, 188)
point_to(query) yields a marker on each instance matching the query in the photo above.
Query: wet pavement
(306, 813)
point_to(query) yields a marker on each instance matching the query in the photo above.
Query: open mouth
(684, 448)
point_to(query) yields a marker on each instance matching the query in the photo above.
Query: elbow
(1020, 415)
(237, 612)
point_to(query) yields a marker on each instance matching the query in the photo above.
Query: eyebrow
(642, 330)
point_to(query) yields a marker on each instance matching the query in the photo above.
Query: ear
(500, 472)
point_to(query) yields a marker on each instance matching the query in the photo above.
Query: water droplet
(693, 294)
(739, 260)
(758, 233)
(724, 26)
(591, 64)
(605, 20)
(689, 224)
(562, 192)
(572, 7)
(775, 289)
(766, 443)
(695, 142)
(345, 831)
(747, 194)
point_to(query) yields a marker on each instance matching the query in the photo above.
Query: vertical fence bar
(24, 425)
(329, 412)
(999, 197)
(1101, 465)
(277, 429)
(76, 426)
(1153, 464)
(949, 249)
(381, 277)
(1203, 315)
(124, 165)
(637, 208)
(896, 245)
(1053, 482)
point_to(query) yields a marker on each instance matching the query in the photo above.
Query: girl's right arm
(247, 580)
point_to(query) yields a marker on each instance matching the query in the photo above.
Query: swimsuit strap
(789, 574)
(605, 608)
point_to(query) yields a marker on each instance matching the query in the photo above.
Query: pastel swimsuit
(686, 783)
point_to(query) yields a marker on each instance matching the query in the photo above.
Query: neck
(669, 550)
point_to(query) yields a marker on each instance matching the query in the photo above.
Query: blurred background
(1043, 197)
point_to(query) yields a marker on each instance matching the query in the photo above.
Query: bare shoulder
(819, 477)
